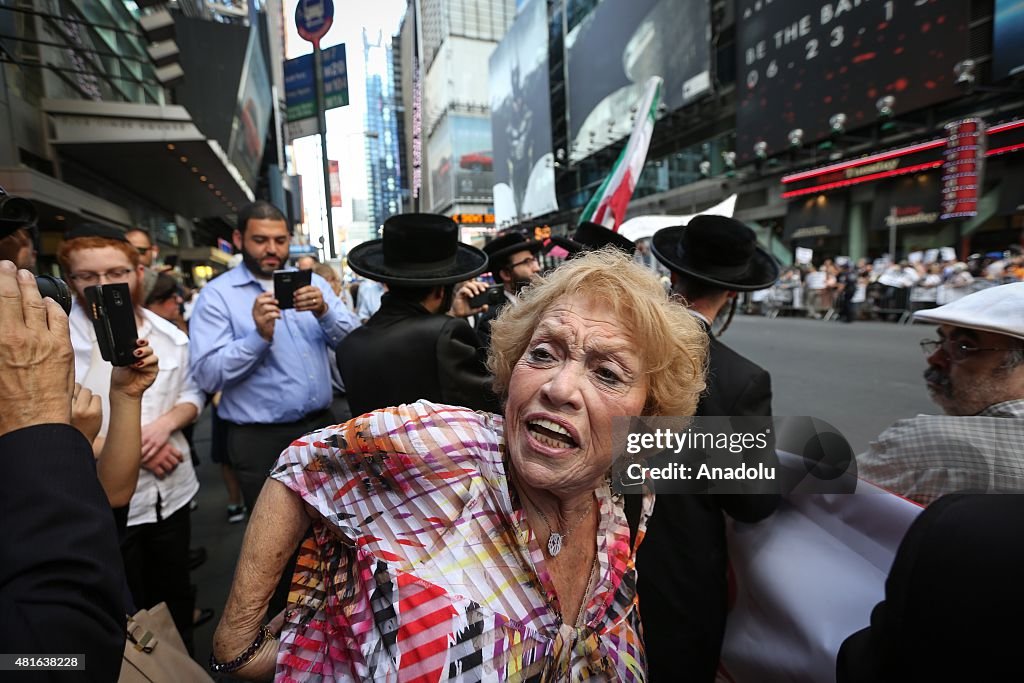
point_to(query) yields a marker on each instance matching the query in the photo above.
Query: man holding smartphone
(271, 365)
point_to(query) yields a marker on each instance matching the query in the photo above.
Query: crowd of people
(427, 487)
(883, 290)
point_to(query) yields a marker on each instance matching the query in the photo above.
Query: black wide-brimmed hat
(501, 247)
(591, 236)
(418, 250)
(717, 250)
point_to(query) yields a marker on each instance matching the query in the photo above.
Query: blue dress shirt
(264, 382)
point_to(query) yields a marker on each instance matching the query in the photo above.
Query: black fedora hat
(95, 230)
(504, 245)
(418, 250)
(591, 236)
(717, 250)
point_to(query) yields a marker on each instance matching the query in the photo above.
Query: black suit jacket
(61, 573)
(404, 353)
(682, 563)
(483, 323)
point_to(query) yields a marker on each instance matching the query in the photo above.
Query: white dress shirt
(173, 386)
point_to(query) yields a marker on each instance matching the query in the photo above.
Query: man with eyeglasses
(512, 258)
(155, 546)
(976, 375)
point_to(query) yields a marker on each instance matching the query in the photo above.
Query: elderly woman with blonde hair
(456, 545)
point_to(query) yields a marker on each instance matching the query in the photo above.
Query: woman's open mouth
(550, 433)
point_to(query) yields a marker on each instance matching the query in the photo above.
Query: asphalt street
(859, 377)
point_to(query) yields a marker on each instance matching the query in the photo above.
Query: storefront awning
(59, 204)
(819, 216)
(154, 151)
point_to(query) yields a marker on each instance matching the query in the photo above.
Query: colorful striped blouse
(423, 568)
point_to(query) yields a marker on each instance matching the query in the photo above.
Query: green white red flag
(608, 205)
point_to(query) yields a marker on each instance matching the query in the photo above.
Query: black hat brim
(532, 246)
(367, 259)
(763, 271)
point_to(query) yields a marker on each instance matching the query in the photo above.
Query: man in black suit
(60, 566)
(410, 349)
(682, 562)
(512, 258)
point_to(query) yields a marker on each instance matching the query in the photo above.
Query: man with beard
(411, 349)
(513, 261)
(976, 375)
(271, 366)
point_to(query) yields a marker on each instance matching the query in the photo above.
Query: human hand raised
(131, 381)
(265, 313)
(86, 412)
(461, 308)
(310, 298)
(37, 371)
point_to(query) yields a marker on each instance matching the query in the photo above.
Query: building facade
(383, 161)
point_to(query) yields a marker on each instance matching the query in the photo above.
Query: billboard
(1008, 39)
(252, 113)
(524, 173)
(801, 63)
(461, 161)
(614, 50)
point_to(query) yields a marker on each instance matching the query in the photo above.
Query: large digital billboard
(802, 63)
(1008, 39)
(524, 174)
(461, 161)
(614, 50)
(252, 115)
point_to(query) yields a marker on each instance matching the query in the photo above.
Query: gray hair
(1014, 358)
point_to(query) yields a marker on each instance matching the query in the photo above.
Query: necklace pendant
(554, 544)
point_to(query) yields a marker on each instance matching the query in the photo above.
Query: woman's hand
(86, 412)
(132, 380)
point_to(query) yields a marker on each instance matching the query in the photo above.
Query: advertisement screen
(1008, 39)
(252, 116)
(524, 174)
(461, 161)
(799, 64)
(614, 50)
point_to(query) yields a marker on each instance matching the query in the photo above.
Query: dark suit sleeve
(754, 401)
(462, 376)
(61, 572)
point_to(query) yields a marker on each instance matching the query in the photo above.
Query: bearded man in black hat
(682, 562)
(512, 257)
(591, 236)
(411, 349)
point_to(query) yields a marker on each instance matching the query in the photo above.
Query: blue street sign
(313, 19)
(335, 77)
(299, 88)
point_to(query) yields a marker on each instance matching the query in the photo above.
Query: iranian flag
(608, 205)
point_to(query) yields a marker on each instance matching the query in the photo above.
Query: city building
(383, 163)
(855, 129)
(445, 46)
(140, 114)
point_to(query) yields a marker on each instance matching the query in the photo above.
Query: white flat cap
(996, 309)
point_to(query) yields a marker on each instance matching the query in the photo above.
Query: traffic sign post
(313, 19)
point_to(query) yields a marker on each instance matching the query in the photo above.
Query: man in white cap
(976, 375)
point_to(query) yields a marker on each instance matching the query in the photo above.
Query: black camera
(492, 296)
(56, 289)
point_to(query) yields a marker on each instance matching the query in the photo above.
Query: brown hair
(11, 245)
(673, 346)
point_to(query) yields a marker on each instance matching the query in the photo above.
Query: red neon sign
(863, 179)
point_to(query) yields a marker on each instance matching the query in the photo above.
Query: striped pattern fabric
(925, 457)
(422, 567)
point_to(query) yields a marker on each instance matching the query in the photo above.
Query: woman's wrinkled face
(580, 370)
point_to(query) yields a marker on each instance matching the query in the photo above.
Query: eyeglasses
(529, 261)
(143, 250)
(957, 351)
(88, 278)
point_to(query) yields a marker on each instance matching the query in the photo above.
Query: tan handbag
(155, 653)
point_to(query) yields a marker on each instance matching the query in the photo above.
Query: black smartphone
(492, 296)
(287, 282)
(113, 318)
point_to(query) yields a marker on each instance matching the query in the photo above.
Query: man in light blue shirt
(271, 365)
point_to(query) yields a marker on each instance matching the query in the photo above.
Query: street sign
(299, 88)
(313, 19)
(335, 77)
